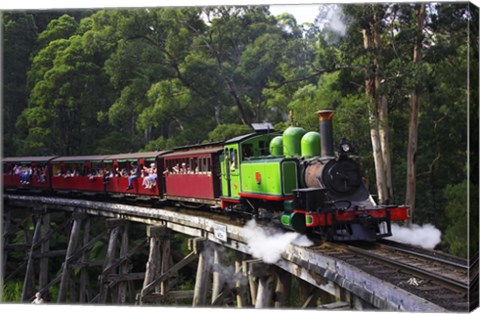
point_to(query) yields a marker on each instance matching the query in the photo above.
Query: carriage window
(122, 169)
(8, 169)
(206, 165)
(193, 165)
(247, 150)
(201, 165)
(233, 159)
(263, 146)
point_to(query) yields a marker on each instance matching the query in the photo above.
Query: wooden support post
(166, 258)
(265, 292)
(114, 226)
(26, 229)
(241, 282)
(312, 298)
(308, 294)
(349, 301)
(266, 280)
(72, 247)
(84, 296)
(252, 281)
(29, 281)
(282, 290)
(123, 268)
(342, 300)
(155, 264)
(7, 216)
(202, 282)
(218, 280)
(175, 268)
(325, 297)
(45, 248)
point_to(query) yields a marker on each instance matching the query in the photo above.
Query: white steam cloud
(335, 20)
(425, 236)
(331, 16)
(269, 245)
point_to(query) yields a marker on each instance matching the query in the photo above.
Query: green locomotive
(297, 178)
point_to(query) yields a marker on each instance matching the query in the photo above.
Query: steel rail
(450, 283)
(434, 256)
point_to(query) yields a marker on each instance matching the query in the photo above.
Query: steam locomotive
(295, 178)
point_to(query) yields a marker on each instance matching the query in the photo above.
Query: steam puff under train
(295, 178)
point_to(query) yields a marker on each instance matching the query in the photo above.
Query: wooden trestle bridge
(246, 282)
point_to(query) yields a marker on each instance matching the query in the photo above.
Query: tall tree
(68, 87)
(376, 103)
(367, 29)
(414, 111)
(19, 41)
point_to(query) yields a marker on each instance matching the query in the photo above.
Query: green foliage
(159, 144)
(61, 28)
(457, 233)
(308, 99)
(227, 131)
(19, 41)
(12, 292)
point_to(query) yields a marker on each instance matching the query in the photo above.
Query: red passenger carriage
(122, 166)
(193, 175)
(78, 173)
(27, 172)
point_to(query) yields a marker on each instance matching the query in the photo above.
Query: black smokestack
(326, 131)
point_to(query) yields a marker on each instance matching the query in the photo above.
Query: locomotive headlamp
(345, 147)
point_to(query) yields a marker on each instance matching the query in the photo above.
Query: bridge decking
(322, 271)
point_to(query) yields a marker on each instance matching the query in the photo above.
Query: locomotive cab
(247, 169)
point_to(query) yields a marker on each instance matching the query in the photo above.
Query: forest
(403, 79)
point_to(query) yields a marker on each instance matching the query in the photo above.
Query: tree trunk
(377, 153)
(413, 121)
(382, 111)
(374, 126)
(383, 132)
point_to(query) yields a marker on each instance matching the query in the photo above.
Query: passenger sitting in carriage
(151, 177)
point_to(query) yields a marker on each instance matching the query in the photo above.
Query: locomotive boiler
(334, 199)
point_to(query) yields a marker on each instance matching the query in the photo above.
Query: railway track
(439, 278)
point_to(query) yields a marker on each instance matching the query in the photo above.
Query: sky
(303, 10)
